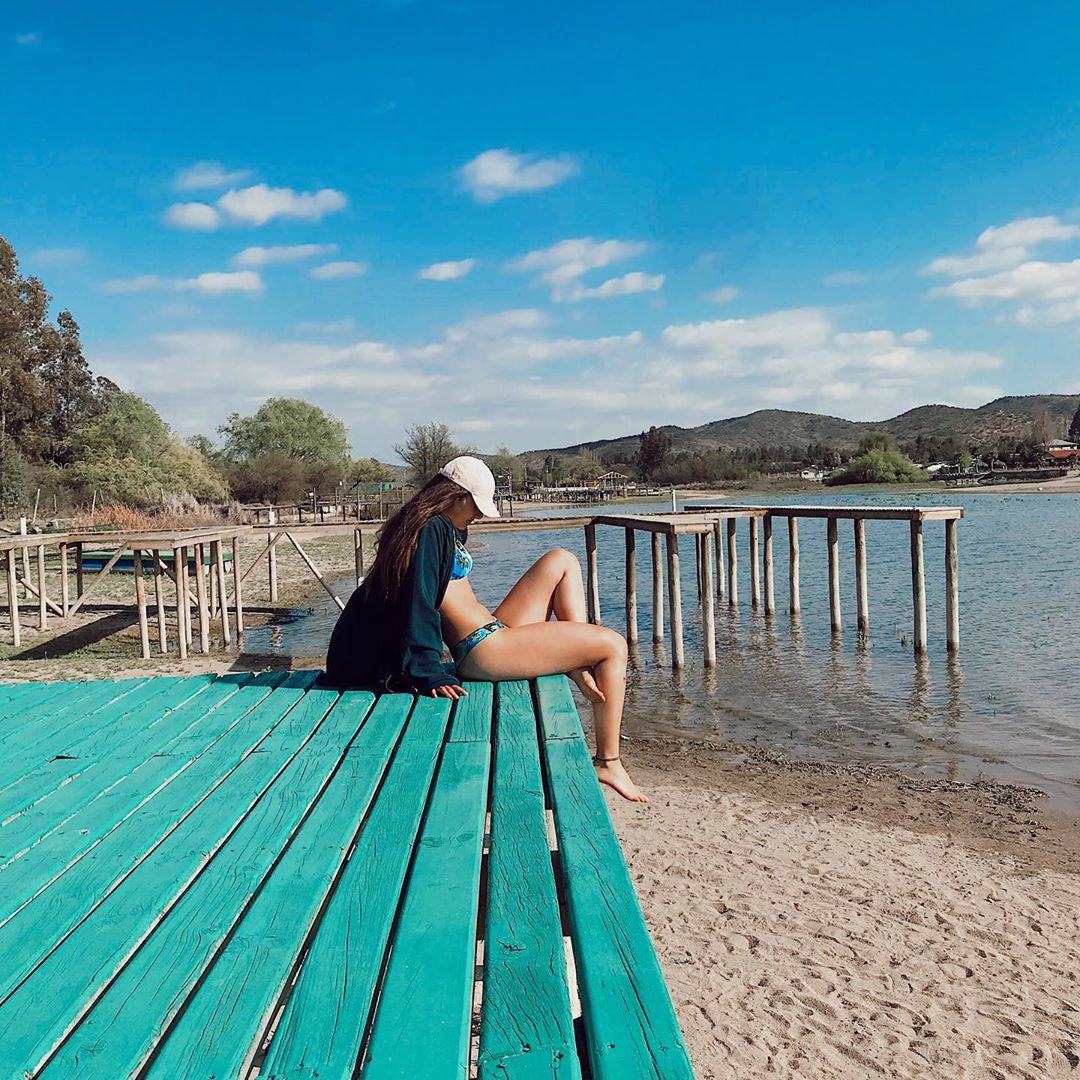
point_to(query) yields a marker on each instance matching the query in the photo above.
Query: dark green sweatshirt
(374, 641)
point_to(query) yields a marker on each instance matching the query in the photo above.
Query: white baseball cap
(476, 478)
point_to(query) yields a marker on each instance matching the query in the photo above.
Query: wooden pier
(708, 524)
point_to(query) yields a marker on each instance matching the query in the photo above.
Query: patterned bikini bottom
(470, 641)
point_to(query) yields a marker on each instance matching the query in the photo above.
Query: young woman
(418, 595)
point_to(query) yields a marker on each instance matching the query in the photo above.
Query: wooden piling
(755, 565)
(708, 601)
(631, 587)
(770, 575)
(223, 592)
(358, 553)
(699, 570)
(952, 586)
(861, 594)
(835, 614)
(271, 565)
(23, 531)
(795, 603)
(43, 604)
(140, 601)
(593, 574)
(159, 601)
(732, 563)
(182, 614)
(200, 594)
(65, 591)
(78, 570)
(657, 589)
(13, 599)
(918, 586)
(718, 545)
(238, 596)
(675, 599)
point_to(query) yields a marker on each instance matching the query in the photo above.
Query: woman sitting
(390, 635)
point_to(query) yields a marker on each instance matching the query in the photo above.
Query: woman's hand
(451, 692)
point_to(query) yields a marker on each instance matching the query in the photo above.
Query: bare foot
(615, 776)
(584, 681)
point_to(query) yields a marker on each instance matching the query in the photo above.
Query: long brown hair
(396, 545)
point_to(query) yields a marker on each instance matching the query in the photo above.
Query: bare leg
(550, 648)
(552, 586)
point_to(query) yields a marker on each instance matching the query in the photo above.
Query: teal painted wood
(161, 984)
(138, 732)
(99, 708)
(630, 1023)
(103, 940)
(471, 721)
(433, 957)
(526, 1026)
(558, 714)
(19, 695)
(128, 777)
(324, 1021)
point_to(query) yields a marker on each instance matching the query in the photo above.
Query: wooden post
(708, 610)
(770, 577)
(631, 587)
(861, 595)
(200, 594)
(675, 599)
(25, 560)
(182, 614)
(13, 599)
(721, 587)
(140, 601)
(358, 545)
(755, 566)
(952, 585)
(238, 596)
(271, 566)
(593, 574)
(732, 563)
(793, 564)
(159, 601)
(78, 570)
(918, 586)
(65, 596)
(835, 615)
(43, 609)
(212, 582)
(699, 569)
(223, 592)
(657, 590)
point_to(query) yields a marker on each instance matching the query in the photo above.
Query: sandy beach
(847, 923)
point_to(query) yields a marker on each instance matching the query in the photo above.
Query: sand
(847, 923)
(1065, 485)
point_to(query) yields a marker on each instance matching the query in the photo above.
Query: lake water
(1007, 706)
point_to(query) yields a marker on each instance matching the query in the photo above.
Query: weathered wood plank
(526, 1027)
(471, 721)
(84, 936)
(630, 1024)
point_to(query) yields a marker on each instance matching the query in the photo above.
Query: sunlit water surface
(1007, 706)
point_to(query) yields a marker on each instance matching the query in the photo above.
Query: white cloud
(845, 277)
(269, 256)
(29, 39)
(634, 282)
(336, 326)
(1001, 247)
(497, 325)
(259, 204)
(205, 175)
(724, 295)
(212, 283)
(58, 256)
(1038, 281)
(446, 271)
(192, 215)
(342, 269)
(563, 264)
(494, 174)
(256, 205)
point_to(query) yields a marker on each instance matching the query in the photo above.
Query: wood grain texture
(471, 721)
(526, 1028)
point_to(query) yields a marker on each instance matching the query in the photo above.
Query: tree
(1074, 427)
(506, 465)
(427, 448)
(878, 461)
(653, 448)
(369, 471)
(286, 426)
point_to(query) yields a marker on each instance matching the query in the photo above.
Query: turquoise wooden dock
(248, 875)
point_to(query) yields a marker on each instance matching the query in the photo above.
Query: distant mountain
(1009, 417)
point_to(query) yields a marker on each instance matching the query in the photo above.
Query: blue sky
(548, 223)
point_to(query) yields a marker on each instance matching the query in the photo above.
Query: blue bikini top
(462, 562)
